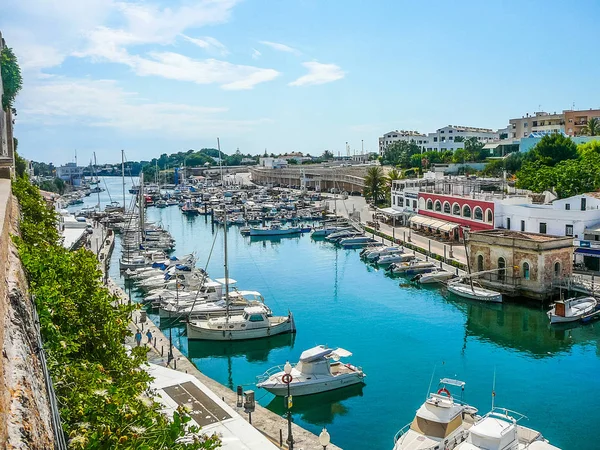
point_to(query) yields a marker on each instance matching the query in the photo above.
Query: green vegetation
(557, 163)
(512, 164)
(103, 394)
(592, 128)
(375, 185)
(11, 77)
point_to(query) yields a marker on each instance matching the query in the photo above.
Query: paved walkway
(353, 203)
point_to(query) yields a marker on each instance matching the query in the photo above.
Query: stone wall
(24, 407)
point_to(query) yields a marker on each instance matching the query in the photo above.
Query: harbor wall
(25, 412)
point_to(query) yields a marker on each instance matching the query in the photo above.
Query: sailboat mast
(467, 257)
(224, 235)
(97, 186)
(142, 204)
(123, 176)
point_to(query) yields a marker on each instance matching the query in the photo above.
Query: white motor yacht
(412, 267)
(442, 422)
(255, 322)
(571, 309)
(379, 252)
(391, 258)
(436, 276)
(319, 370)
(474, 291)
(498, 430)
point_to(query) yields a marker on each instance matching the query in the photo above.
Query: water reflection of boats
(319, 409)
(522, 328)
(253, 350)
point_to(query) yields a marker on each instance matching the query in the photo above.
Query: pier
(271, 425)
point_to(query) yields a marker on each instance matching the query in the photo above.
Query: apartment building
(402, 135)
(576, 121)
(446, 138)
(539, 122)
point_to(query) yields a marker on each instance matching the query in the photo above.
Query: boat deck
(338, 368)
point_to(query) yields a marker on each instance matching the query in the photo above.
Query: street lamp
(287, 379)
(324, 438)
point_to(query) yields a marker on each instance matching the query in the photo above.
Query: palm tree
(392, 175)
(374, 184)
(592, 128)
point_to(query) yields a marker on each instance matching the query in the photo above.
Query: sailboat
(255, 321)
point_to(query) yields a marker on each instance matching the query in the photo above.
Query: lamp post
(324, 438)
(287, 379)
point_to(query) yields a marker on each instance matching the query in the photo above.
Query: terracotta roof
(592, 194)
(518, 235)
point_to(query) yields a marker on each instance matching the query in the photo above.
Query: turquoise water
(398, 334)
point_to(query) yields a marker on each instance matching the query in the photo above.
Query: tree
(375, 185)
(327, 155)
(399, 153)
(592, 128)
(552, 149)
(11, 77)
(473, 149)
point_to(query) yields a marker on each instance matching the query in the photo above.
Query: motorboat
(412, 267)
(358, 240)
(372, 255)
(201, 306)
(391, 258)
(254, 323)
(435, 276)
(275, 229)
(318, 370)
(571, 309)
(339, 235)
(474, 291)
(326, 231)
(499, 430)
(442, 422)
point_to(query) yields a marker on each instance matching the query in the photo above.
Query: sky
(154, 77)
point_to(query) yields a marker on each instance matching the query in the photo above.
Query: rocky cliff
(24, 406)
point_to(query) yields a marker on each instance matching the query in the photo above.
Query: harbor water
(399, 334)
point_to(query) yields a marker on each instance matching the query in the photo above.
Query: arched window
(557, 269)
(421, 203)
(456, 209)
(480, 263)
(526, 270)
(429, 204)
(490, 216)
(447, 207)
(502, 271)
(466, 211)
(438, 206)
(478, 213)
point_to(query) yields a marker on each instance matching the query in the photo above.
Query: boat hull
(468, 294)
(203, 333)
(317, 387)
(282, 232)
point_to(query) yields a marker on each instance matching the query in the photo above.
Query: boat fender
(268, 331)
(444, 391)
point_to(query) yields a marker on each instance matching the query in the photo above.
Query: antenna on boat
(224, 234)
(494, 389)
(430, 383)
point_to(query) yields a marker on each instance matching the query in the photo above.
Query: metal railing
(59, 436)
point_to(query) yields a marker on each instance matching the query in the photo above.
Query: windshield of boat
(435, 429)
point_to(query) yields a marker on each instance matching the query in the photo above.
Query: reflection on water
(319, 409)
(256, 350)
(522, 328)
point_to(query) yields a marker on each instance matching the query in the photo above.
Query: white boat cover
(340, 353)
(222, 281)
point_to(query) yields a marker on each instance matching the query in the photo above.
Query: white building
(566, 217)
(403, 135)
(71, 173)
(272, 163)
(445, 138)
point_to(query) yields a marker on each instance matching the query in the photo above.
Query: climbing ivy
(103, 394)
(11, 77)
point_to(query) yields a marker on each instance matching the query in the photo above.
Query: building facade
(520, 264)
(71, 173)
(576, 121)
(402, 135)
(539, 122)
(445, 138)
(7, 157)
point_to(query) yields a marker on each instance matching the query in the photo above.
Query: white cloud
(179, 67)
(319, 74)
(256, 54)
(280, 47)
(102, 103)
(208, 43)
